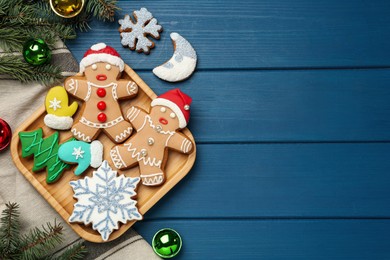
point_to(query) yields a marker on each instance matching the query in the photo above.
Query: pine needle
(9, 230)
(38, 242)
(17, 68)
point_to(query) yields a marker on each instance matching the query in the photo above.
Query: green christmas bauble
(36, 52)
(67, 8)
(167, 243)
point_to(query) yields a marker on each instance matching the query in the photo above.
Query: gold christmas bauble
(67, 8)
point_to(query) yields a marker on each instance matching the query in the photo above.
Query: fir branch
(36, 244)
(76, 252)
(17, 68)
(102, 9)
(9, 230)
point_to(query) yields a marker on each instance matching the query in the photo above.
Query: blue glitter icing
(168, 65)
(183, 48)
(105, 200)
(145, 25)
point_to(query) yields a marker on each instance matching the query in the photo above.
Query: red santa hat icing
(178, 102)
(100, 52)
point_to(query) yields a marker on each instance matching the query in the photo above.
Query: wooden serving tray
(60, 193)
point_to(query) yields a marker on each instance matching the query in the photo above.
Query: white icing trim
(96, 154)
(58, 122)
(79, 135)
(131, 88)
(98, 46)
(174, 107)
(84, 121)
(114, 94)
(150, 175)
(101, 57)
(147, 160)
(123, 135)
(153, 179)
(73, 85)
(88, 93)
(117, 159)
(101, 86)
(132, 113)
(154, 127)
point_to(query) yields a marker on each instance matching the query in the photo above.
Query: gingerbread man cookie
(156, 131)
(101, 88)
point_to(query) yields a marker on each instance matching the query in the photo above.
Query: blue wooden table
(291, 115)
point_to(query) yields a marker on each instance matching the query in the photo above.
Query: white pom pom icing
(98, 46)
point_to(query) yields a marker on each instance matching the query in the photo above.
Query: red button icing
(101, 105)
(101, 92)
(102, 117)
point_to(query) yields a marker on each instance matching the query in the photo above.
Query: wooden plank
(282, 180)
(277, 239)
(260, 34)
(286, 106)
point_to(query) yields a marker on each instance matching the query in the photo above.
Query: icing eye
(108, 67)
(94, 66)
(172, 115)
(163, 109)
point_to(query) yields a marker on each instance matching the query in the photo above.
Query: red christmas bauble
(5, 134)
(102, 117)
(101, 105)
(101, 92)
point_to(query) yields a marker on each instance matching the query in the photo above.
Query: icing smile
(163, 121)
(101, 77)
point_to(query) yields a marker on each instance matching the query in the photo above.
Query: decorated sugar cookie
(156, 131)
(181, 65)
(101, 89)
(134, 34)
(82, 153)
(59, 113)
(105, 200)
(45, 151)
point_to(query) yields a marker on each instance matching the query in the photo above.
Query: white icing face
(165, 117)
(102, 73)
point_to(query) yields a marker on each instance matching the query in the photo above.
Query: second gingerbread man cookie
(101, 88)
(156, 131)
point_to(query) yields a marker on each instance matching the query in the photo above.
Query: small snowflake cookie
(59, 113)
(134, 34)
(104, 200)
(156, 131)
(82, 153)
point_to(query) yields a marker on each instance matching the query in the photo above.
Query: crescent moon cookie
(181, 65)
(101, 89)
(59, 113)
(156, 132)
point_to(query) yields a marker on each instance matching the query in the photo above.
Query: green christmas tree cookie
(45, 151)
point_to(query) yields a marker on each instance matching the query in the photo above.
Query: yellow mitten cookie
(59, 113)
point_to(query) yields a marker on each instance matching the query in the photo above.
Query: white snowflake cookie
(134, 34)
(104, 200)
